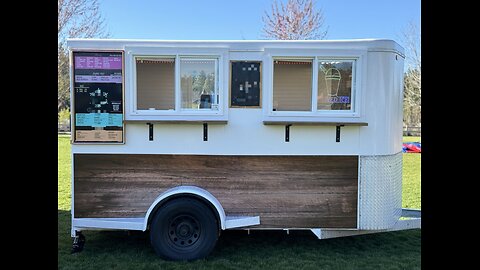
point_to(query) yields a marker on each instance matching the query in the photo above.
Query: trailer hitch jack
(78, 242)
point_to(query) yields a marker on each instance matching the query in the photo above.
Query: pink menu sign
(98, 62)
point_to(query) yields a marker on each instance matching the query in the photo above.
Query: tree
(198, 83)
(297, 20)
(76, 19)
(209, 86)
(412, 102)
(63, 78)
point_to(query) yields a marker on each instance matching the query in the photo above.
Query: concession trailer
(185, 139)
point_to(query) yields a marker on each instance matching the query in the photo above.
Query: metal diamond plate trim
(380, 196)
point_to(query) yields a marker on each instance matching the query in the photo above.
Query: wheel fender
(187, 190)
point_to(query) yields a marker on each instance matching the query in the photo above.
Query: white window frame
(178, 114)
(358, 72)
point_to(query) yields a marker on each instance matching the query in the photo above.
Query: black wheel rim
(184, 231)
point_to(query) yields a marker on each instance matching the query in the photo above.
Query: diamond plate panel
(380, 196)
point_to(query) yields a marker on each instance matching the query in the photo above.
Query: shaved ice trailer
(185, 139)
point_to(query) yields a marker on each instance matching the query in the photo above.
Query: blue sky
(242, 19)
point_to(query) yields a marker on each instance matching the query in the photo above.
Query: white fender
(188, 190)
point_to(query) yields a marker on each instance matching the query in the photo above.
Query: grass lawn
(412, 139)
(411, 177)
(236, 249)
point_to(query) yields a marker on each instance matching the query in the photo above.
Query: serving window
(313, 86)
(176, 85)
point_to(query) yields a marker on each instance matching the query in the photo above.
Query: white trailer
(189, 138)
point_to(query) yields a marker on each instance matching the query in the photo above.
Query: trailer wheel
(183, 229)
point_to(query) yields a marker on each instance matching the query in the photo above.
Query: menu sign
(245, 84)
(98, 99)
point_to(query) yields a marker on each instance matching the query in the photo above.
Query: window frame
(314, 115)
(220, 55)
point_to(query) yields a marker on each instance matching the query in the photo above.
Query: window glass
(292, 85)
(155, 83)
(198, 84)
(334, 85)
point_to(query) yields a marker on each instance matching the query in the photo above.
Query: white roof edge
(372, 43)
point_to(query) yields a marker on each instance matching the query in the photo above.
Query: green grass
(411, 177)
(411, 180)
(237, 249)
(64, 170)
(412, 139)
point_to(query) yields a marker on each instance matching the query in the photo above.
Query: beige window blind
(292, 85)
(155, 84)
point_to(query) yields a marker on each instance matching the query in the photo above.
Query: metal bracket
(337, 136)
(205, 132)
(150, 131)
(287, 133)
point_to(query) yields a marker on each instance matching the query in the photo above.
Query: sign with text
(98, 96)
(245, 84)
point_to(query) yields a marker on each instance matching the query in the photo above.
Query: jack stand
(78, 242)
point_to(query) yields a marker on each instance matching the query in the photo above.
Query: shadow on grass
(238, 250)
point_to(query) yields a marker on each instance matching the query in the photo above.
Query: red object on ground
(412, 148)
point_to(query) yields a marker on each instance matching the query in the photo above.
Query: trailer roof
(369, 44)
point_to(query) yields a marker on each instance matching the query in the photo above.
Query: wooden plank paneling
(286, 191)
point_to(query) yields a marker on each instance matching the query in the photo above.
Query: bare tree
(411, 39)
(413, 76)
(297, 20)
(76, 19)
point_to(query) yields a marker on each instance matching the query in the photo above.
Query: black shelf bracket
(150, 131)
(337, 136)
(205, 132)
(287, 132)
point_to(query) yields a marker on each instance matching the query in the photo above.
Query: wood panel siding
(285, 191)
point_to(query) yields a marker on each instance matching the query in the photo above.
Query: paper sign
(115, 120)
(98, 96)
(83, 119)
(98, 135)
(98, 62)
(98, 79)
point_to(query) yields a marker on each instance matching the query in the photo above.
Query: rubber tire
(159, 230)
